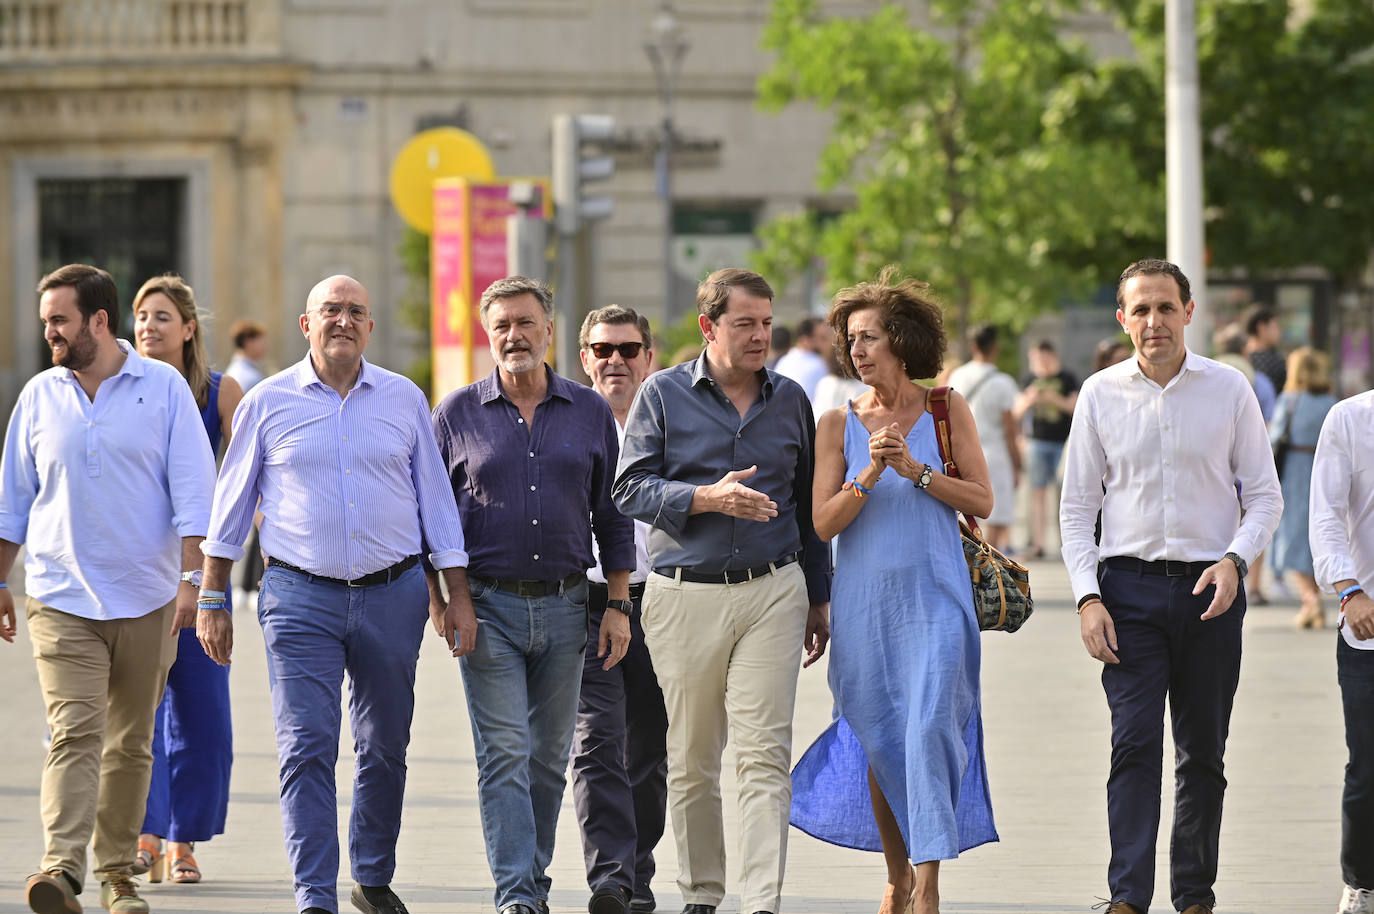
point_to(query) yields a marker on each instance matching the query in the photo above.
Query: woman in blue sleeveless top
(192, 744)
(901, 767)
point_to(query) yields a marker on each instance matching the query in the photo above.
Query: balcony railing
(56, 31)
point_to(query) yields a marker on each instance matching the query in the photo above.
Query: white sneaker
(1356, 901)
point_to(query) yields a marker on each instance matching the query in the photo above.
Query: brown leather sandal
(147, 859)
(183, 869)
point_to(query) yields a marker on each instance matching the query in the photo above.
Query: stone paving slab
(1047, 742)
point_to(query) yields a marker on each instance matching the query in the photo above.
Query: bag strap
(937, 401)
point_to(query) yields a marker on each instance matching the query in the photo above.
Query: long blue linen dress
(193, 741)
(1302, 413)
(904, 663)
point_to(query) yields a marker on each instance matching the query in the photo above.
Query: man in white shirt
(1160, 444)
(107, 476)
(250, 348)
(1341, 531)
(338, 456)
(805, 362)
(620, 749)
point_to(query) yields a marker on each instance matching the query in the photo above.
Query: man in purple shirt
(531, 456)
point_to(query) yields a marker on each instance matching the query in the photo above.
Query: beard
(79, 352)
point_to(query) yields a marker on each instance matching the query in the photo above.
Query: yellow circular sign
(444, 152)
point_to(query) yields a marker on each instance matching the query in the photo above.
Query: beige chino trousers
(727, 657)
(101, 682)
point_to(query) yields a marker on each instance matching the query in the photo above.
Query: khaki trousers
(101, 682)
(727, 656)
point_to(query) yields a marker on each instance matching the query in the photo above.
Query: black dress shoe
(699, 909)
(609, 900)
(314, 910)
(376, 900)
(642, 905)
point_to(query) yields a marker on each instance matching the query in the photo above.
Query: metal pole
(665, 187)
(1183, 163)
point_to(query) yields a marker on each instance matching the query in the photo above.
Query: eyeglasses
(627, 350)
(356, 313)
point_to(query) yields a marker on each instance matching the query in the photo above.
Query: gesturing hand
(731, 496)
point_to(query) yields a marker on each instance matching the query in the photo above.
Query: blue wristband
(213, 595)
(1349, 591)
(212, 604)
(4, 585)
(861, 488)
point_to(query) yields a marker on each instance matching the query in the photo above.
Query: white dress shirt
(1170, 459)
(805, 367)
(1340, 523)
(349, 486)
(640, 574)
(245, 371)
(102, 492)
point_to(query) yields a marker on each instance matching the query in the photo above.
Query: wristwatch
(924, 479)
(1241, 566)
(192, 577)
(623, 606)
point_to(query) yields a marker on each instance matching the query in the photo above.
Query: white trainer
(1356, 901)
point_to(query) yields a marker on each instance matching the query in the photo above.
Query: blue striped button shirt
(349, 485)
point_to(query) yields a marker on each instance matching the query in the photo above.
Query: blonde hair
(195, 362)
(1309, 371)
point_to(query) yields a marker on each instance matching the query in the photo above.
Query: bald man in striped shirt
(343, 458)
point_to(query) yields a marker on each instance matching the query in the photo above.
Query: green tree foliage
(950, 137)
(1287, 92)
(414, 305)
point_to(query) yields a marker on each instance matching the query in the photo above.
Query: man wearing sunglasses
(620, 753)
(530, 456)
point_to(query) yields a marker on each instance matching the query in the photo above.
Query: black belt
(385, 576)
(523, 587)
(1164, 567)
(636, 590)
(734, 576)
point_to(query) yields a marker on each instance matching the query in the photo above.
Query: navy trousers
(620, 760)
(1355, 672)
(1167, 651)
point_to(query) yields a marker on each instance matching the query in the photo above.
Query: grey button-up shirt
(683, 432)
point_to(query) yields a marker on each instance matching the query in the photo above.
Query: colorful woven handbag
(1001, 586)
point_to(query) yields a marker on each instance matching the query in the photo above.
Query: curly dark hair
(914, 321)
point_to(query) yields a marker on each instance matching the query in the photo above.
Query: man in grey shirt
(718, 458)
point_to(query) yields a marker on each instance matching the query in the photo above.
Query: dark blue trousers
(1355, 672)
(620, 760)
(1167, 651)
(315, 632)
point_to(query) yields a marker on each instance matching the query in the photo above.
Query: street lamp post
(666, 47)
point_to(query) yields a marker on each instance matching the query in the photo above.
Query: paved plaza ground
(1047, 748)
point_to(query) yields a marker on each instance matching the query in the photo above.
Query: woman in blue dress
(901, 767)
(1301, 409)
(193, 743)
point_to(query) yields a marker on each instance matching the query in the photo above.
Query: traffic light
(572, 170)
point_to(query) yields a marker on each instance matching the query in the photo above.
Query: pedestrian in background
(530, 457)
(1341, 528)
(805, 362)
(1262, 337)
(250, 348)
(901, 770)
(339, 456)
(1158, 445)
(193, 744)
(991, 395)
(718, 459)
(1048, 396)
(1302, 407)
(106, 476)
(620, 750)
(1108, 352)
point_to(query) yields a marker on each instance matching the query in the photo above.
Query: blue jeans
(522, 683)
(1043, 462)
(315, 632)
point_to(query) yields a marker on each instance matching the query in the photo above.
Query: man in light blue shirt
(352, 490)
(107, 477)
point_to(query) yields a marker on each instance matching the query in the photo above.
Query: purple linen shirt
(531, 497)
